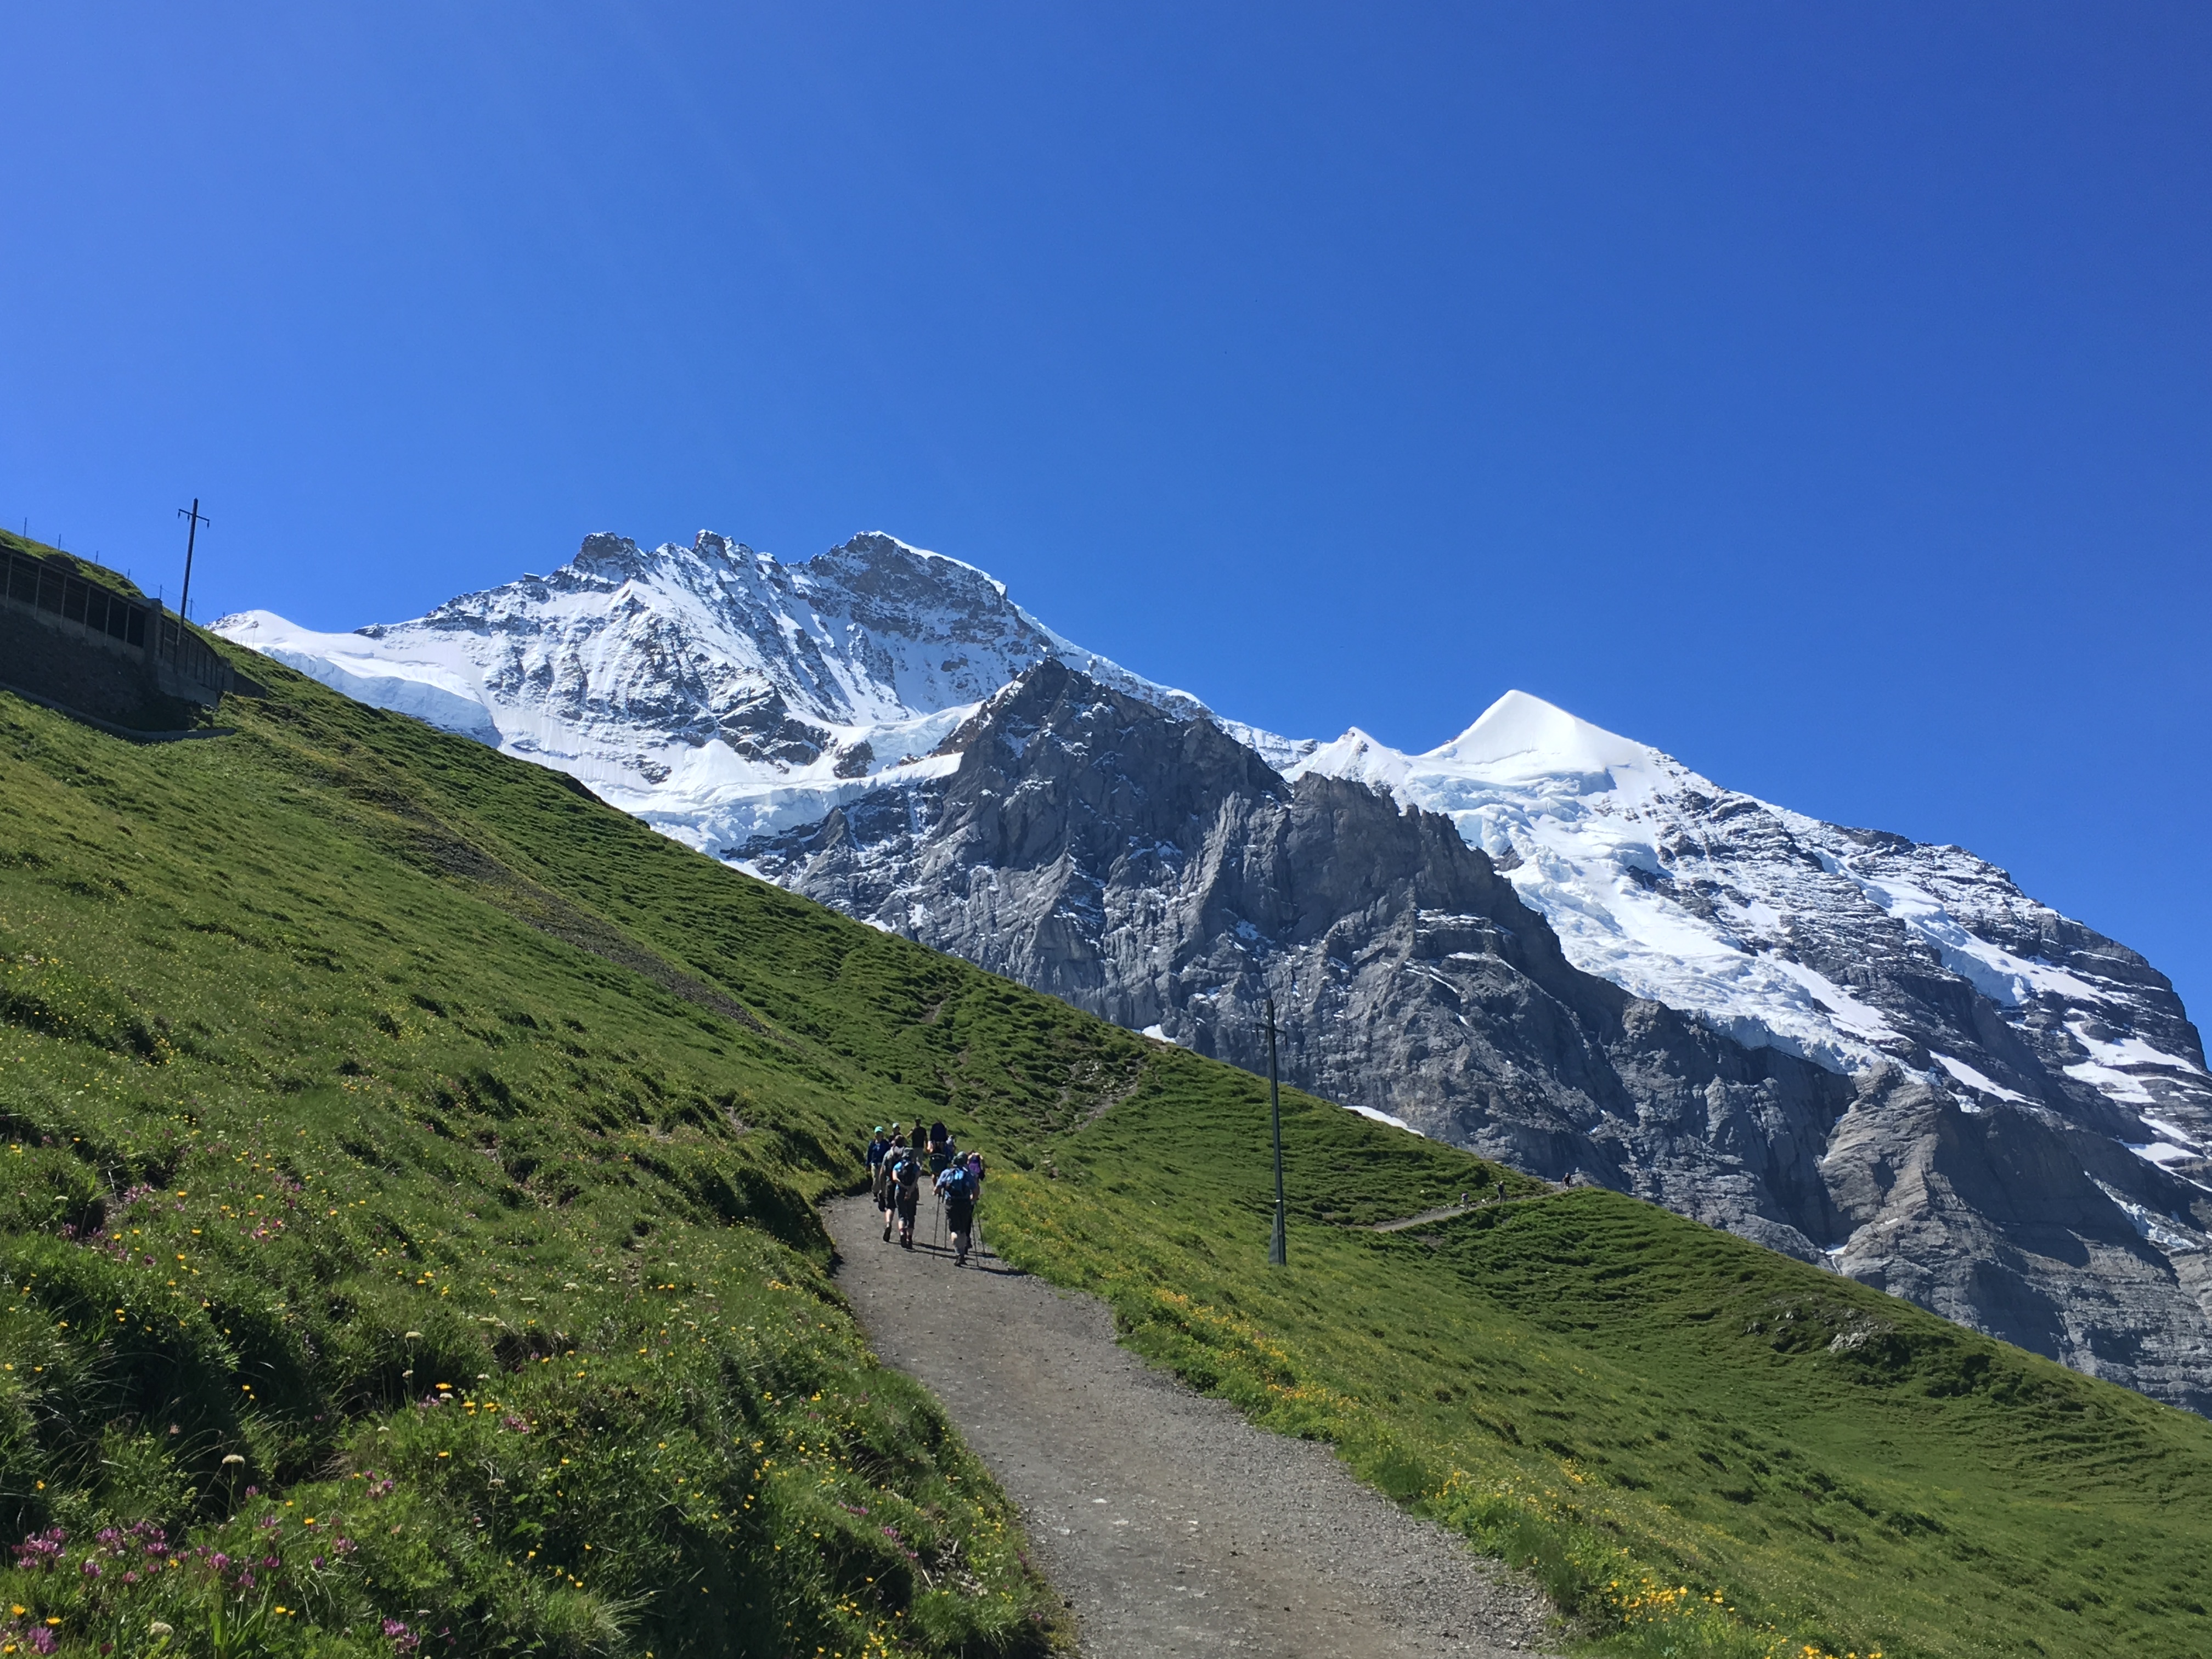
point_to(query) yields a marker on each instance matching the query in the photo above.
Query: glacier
(712, 691)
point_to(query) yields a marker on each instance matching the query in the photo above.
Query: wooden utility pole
(191, 536)
(1277, 1250)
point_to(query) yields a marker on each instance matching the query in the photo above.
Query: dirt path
(1171, 1524)
(1422, 1220)
(1444, 1214)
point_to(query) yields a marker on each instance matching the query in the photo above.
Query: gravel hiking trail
(1169, 1523)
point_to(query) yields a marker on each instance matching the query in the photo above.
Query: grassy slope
(524, 1048)
(1651, 1414)
(328, 1081)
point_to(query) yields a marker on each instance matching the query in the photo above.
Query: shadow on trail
(941, 1255)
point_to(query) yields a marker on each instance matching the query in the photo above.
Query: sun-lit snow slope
(1846, 947)
(710, 690)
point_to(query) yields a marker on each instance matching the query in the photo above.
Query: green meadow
(410, 1243)
(1698, 1446)
(410, 1248)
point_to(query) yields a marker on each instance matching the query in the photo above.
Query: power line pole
(191, 536)
(1278, 1253)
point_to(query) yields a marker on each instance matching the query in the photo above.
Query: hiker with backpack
(878, 1154)
(902, 1191)
(976, 1174)
(940, 1148)
(959, 1187)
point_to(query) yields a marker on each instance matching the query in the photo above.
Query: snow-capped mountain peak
(1521, 736)
(1779, 929)
(711, 689)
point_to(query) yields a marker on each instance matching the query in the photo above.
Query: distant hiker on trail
(940, 1148)
(975, 1174)
(880, 1151)
(1501, 1192)
(959, 1187)
(905, 1198)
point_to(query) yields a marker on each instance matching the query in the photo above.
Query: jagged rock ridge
(1157, 872)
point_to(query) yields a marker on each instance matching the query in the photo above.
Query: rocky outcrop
(1156, 871)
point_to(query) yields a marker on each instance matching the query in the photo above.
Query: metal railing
(50, 586)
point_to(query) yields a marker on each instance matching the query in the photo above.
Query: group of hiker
(898, 1168)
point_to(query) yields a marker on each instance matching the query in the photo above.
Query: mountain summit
(710, 689)
(1540, 940)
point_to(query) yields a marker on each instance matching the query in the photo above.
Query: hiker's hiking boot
(887, 1232)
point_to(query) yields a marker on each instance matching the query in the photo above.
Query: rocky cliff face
(1157, 872)
(1542, 940)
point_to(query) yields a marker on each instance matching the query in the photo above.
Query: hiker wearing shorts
(894, 1150)
(958, 1187)
(906, 1199)
(976, 1184)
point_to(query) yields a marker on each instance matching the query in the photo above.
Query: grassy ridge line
(366, 1169)
(99, 574)
(1700, 1446)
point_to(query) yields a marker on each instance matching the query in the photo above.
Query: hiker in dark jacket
(959, 1188)
(906, 1199)
(880, 1151)
(887, 1181)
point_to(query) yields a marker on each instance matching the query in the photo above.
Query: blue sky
(1822, 394)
